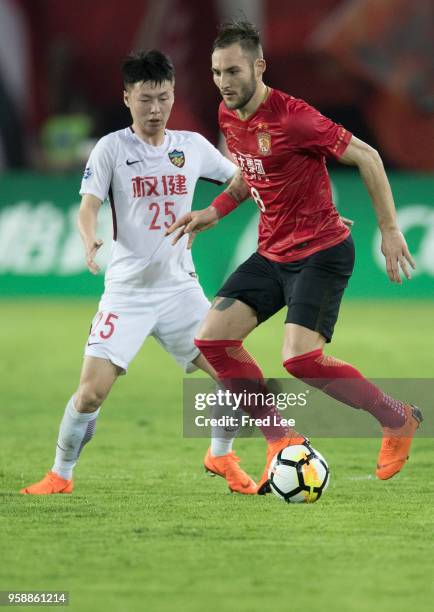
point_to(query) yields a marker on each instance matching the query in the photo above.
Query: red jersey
(281, 151)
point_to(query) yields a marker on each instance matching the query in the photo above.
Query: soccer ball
(299, 474)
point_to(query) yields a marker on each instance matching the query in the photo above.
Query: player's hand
(91, 251)
(348, 222)
(192, 223)
(395, 250)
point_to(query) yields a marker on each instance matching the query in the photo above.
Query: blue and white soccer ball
(299, 474)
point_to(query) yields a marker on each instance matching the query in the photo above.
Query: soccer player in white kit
(149, 175)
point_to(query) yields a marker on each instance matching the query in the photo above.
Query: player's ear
(173, 92)
(126, 101)
(260, 66)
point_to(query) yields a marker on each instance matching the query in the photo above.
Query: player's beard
(246, 94)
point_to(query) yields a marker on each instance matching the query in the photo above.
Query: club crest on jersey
(264, 142)
(177, 158)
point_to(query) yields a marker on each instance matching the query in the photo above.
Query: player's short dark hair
(146, 66)
(243, 33)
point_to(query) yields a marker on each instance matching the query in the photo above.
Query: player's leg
(117, 332)
(79, 421)
(222, 438)
(312, 314)
(220, 458)
(178, 321)
(299, 340)
(250, 296)
(78, 425)
(201, 364)
(228, 319)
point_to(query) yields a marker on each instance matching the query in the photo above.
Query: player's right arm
(200, 220)
(87, 224)
(94, 190)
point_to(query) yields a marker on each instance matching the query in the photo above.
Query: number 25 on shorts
(105, 329)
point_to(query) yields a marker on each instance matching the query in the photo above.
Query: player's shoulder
(286, 103)
(113, 140)
(300, 109)
(115, 146)
(187, 138)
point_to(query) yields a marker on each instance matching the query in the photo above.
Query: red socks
(230, 359)
(240, 373)
(346, 384)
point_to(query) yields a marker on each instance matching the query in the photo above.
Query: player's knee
(297, 345)
(208, 332)
(202, 335)
(211, 330)
(293, 349)
(305, 365)
(88, 398)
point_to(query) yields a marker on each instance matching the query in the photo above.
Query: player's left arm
(393, 246)
(237, 188)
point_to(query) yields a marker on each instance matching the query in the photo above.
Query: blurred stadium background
(368, 64)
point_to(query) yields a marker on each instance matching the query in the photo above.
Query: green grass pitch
(146, 530)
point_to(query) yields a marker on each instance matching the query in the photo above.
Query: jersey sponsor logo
(177, 158)
(87, 173)
(251, 167)
(264, 142)
(135, 161)
(167, 185)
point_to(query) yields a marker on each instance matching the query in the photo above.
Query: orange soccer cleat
(51, 483)
(396, 444)
(272, 450)
(227, 467)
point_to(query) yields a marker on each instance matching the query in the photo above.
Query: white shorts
(123, 322)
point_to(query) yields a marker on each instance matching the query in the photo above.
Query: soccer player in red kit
(305, 252)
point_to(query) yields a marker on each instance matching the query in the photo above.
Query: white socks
(222, 437)
(76, 429)
(221, 446)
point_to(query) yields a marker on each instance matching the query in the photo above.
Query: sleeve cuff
(342, 142)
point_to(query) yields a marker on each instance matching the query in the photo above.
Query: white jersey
(149, 188)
